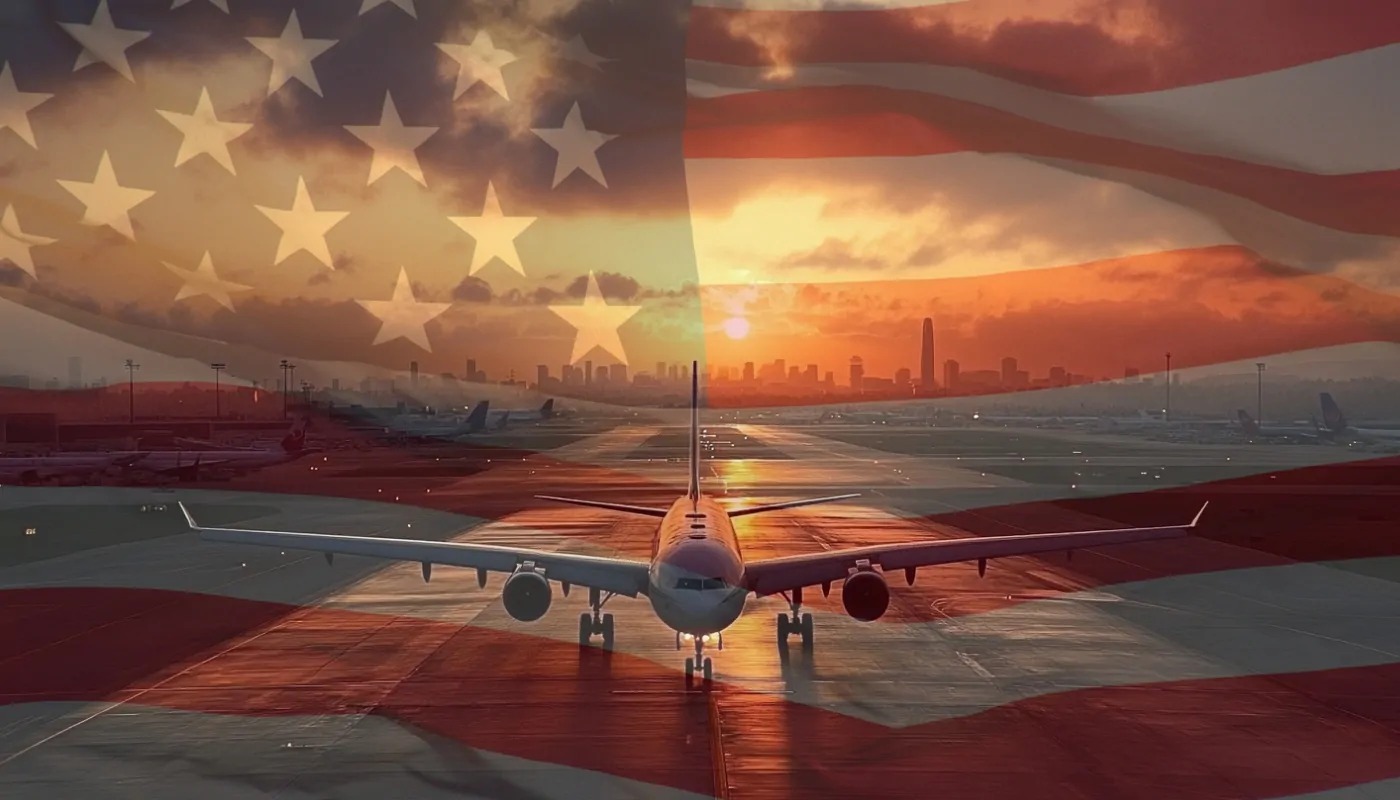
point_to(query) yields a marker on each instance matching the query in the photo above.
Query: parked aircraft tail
(1332, 415)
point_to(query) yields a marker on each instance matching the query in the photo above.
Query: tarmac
(1258, 659)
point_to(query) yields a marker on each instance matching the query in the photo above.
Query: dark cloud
(11, 275)
(832, 253)
(472, 290)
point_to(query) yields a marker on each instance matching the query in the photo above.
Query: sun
(736, 327)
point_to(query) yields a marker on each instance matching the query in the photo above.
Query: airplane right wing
(774, 575)
(619, 576)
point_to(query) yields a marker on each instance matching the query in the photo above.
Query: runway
(1258, 660)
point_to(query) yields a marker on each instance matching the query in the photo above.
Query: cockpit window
(697, 584)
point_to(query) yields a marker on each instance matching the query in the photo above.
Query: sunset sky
(1011, 210)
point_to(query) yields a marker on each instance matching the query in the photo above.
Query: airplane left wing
(615, 575)
(774, 575)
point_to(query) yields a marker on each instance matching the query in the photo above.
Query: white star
(291, 55)
(577, 146)
(406, 5)
(393, 142)
(16, 105)
(403, 315)
(479, 61)
(494, 233)
(205, 133)
(103, 41)
(222, 5)
(203, 282)
(576, 49)
(303, 227)
(597, 323)
(15, 243)
(105, 201)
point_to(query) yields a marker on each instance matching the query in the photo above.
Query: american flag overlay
(397, 268)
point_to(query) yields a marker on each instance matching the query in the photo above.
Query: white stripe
(1329, 117)
(969, 214)
(161, 754)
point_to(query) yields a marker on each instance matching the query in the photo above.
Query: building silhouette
(950, 375)
(926, 362)
(748, 372)
(857, 373)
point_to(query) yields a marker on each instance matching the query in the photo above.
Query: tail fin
(295, 439)
(547, 410)
(693, 491)
(476, 420)
(1247, 422)
(1332, 414)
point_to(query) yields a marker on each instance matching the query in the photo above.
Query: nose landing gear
(706, 666)
(597, 622)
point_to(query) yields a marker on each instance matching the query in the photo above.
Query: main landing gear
(597, 622)
(797, 623)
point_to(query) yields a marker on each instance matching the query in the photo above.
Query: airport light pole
(287, 369)
(1168, 410)
(217, 367)
(1259, 406)
(131, 367)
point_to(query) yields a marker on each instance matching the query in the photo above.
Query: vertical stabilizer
(693, 491)
(1332, 416)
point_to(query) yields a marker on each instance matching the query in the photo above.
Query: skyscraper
(1008, 371)
(857, 372)
(541, 374)
(75, 372)
(950, 375)
(748, 372)
(926, 363)
(588, 372)
(471, 370)
(618, 374)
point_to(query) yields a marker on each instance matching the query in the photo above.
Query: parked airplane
(440, 427)
(697, 580)
(188, 464)
(1253, 430)
(1335, 423)
(38, 469)
(501, 419)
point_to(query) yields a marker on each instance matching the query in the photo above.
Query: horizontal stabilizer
(623, 507)
(811, 501)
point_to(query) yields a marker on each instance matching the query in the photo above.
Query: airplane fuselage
(697, 568)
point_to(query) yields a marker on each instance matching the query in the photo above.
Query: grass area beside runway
(40, 532)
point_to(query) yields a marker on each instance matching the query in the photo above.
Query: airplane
(1335, 424)
(1253, 430)
(38, 469)
(440, 428)
(697, 580)
(508, 416)
(187, 464)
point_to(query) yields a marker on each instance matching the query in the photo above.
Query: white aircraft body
(186, 464)
(501, 419)
(37, 469)
(697, 581)
(1338, 427)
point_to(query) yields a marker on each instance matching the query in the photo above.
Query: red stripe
(1261, 736)
(1172, 43)
(847, 122)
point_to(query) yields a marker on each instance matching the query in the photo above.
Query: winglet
(1197, 518)
(194, 526)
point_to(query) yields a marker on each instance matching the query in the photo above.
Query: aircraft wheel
(709, 670)
(689, 670)
(585, 629)
(608, 631)
(782, 628)
(807, 630)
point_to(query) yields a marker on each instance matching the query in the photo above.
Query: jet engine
(526, 596)
(865, 595)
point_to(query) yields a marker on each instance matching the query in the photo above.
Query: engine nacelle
(526, 596)
(865, 595)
